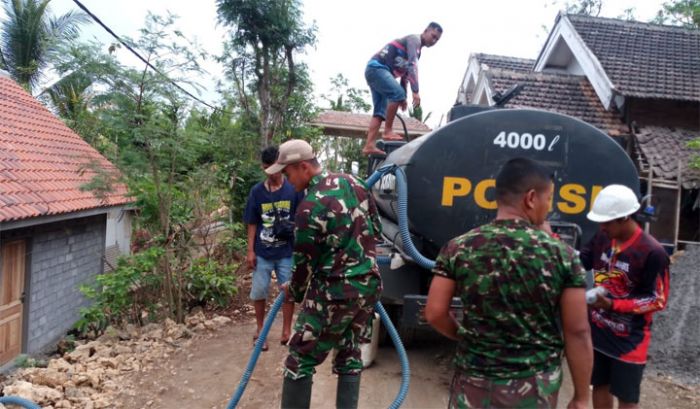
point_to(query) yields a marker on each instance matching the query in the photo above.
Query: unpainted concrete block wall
(63, 256)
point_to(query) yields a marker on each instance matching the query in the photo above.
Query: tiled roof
(43, 163)
(566, 94)
(644, 60)
(665, 147)
(504, 62)
(339, 123)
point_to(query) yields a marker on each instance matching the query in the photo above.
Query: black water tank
(451, 171)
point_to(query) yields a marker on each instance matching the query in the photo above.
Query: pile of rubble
(92, 375)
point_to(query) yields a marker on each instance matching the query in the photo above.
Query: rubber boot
(296, 393)
(348, 392)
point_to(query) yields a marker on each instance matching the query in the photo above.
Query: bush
(122, 294)
(235, 243)
(209, 282)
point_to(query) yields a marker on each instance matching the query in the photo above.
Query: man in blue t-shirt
(272, 198)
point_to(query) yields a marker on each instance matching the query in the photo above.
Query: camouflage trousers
(323, 325)
(539, 391)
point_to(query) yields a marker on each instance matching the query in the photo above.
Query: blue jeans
(384, 88)
(263, 273)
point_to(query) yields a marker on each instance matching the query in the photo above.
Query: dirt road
(205, 374)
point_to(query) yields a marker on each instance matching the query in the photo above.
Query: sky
(350, 32)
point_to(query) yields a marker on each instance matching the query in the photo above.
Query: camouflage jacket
(510, 277)
(337, 229)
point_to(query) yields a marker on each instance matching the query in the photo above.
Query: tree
(266, 35)
(31, 36)
(85, 72)
(417, 113)
(339, 152)
(343, 97)
(680, 12)
(587, 7)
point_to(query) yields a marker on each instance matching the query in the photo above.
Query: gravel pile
(675, 333)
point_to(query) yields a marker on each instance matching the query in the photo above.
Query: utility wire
(128, 47)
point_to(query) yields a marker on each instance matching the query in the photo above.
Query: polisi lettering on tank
(569, 198)
(450, 172)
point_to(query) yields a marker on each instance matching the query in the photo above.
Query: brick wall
(63, 256)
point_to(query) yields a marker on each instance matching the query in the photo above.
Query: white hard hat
(613, 202)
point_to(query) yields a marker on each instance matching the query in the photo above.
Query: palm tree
(70, 95)
(29, 36)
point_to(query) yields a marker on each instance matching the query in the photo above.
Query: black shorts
(625, 379)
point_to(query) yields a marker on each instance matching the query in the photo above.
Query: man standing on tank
(398, 59)
(523, 297)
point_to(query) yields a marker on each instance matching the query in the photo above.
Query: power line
(128, 47)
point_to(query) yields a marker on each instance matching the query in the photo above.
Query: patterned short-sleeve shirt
(510, 277)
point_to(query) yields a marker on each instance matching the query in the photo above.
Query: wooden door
(11, 299)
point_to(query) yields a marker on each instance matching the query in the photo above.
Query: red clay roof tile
(43, 163)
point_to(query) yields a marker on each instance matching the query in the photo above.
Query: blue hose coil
(256, 352)
(16, 400)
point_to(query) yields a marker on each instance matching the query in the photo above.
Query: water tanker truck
(447, 180)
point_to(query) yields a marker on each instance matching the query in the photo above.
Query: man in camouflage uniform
(334, 273)
(520, 289)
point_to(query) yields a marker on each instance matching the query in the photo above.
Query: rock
(151, 332)
(177, 331)
(108, 363)
(81, 353)
(42, 395)
(195, 319)
(109, 335)
(100, 403)
(110, 385)
(84, 403)
(65, 345)
(131, 331)
(78, 392)
(50, 377)
(121, 350)
(95, 379)
(169, 323)
(79, 379)
(221, 320)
